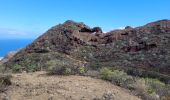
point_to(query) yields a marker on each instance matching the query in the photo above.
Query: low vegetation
(5, 81)
(26, 65)
(147, 88)
(59, 68)
(1, 68)
(63, 68)
(144, 87)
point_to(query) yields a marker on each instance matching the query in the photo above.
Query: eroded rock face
(146, 47)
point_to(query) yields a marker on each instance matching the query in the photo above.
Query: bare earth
(39, 86)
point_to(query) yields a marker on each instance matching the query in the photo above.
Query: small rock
(50, 98)
(5, 97)
(108, 96)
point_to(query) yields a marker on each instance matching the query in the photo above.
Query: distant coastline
(7, 45)
(1, 58)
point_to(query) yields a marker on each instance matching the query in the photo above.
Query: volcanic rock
(76, 44)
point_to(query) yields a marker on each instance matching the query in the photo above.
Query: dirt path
(39, 86)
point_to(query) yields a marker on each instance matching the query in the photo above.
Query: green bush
(106, 74)
(32, 68)
(81, 70)
(122, 79)
(67, 71)
(155, 86)
(17, 68)
(154, 83)
(59, 68)
(152, 89)
(26, 65)
(50, 64)
(65, 68)
(147, 88)
(117, 77)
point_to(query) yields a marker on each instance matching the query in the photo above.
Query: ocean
(7, 45)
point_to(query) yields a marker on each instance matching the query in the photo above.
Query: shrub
(17, 68)
(154, 84)
(50, 65)
(157, 87)
(81, 70)
(146, 88)
(59, 68)
(117, 77)
(122, 79)
(140, 88)
(151, 89)
(32, 68)
(65, 67)
(67, 71)
(106, 74)
(5, 80)
(29, 66)
(147, 74)
(26, 65)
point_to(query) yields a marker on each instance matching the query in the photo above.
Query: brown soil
(39, 86)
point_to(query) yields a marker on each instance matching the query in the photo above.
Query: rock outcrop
(76, 44)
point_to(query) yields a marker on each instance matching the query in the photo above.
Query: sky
(28, 19)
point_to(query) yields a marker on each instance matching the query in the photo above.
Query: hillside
(39, 86)
(137, 59)
(135, 50)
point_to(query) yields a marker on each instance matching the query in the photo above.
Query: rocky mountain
(144, 49)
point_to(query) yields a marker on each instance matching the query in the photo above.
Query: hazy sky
(30, 18)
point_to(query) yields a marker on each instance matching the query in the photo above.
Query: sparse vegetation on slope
(147, 88)
(143, 48)
(141, 55)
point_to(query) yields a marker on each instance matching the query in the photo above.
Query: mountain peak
(75, 44)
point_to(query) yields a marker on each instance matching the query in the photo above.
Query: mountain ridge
(76, 44)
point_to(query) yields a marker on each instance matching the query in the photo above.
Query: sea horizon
(8, 45)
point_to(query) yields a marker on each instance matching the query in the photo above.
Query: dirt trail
(39, 86)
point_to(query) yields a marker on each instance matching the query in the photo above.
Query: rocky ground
(40, 86)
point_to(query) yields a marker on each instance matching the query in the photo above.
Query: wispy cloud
(16, 33)
(12, 31)
(121, 28)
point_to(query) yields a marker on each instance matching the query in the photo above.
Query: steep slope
(145, 48)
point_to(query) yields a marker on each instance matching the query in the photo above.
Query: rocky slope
(136, 50)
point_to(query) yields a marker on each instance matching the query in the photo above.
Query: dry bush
(5, 81)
